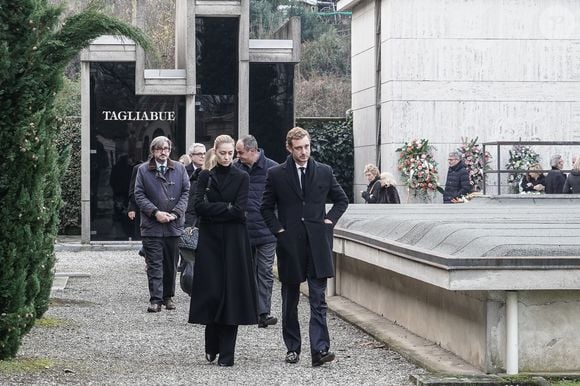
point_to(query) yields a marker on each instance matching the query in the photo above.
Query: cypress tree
(35, 46)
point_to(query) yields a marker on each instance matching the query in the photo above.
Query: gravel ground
(104, 335)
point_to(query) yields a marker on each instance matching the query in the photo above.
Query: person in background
(533, 181)
(161, 193)
(556, 178)
(210, 160)
(196, 154)
(253, 161)
(223, 294)
(457, 184)
(185, 160)
(371, 194)
(294, 207)
(572, 183)
(388, 193)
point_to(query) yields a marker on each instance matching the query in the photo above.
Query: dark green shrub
(332, 143)
(35, 46)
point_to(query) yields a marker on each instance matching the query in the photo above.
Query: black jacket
(555, 181)
(457, 183)
(371, 195)
(259, 232)
(527, 183)
(191, 218)
(388, 195)
(572, 184)
(224, 284)
(302, 216)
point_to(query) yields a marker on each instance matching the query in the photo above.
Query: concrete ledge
(418, 350)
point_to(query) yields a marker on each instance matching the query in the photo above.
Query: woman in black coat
(388, 193)
(533, 181)
(224, 290)
(371, 195)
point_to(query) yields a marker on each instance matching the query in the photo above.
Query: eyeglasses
(201, 154)
(163, 149)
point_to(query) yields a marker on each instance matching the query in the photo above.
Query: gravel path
(103, 335)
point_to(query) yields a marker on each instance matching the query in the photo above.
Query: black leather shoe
(169, 304)
(266, 320)
(210, 357)
(292, 357)
(154, 307)
(225, 364)
(320, 358)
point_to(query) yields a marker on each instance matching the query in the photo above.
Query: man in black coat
(253, 161)
(457, 184)
(294, 208)
(556, 178)
(196, 154)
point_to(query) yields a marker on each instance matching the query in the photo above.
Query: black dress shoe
(154, 307)
(266, 320)
(169, 304)
(320, 358)
(225, 364)
(292, 357)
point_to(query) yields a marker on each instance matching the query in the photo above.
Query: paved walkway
(100, 333)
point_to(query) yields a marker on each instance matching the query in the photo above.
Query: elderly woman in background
(371, 194)
(534, 180)
(572, 184)
(388, 193)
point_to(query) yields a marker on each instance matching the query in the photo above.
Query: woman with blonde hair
(572, 184)
(223, 293)
(533, 180)
(371, 194)
(209, 161)
(388, 193)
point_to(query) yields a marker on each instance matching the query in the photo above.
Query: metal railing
(499, 171)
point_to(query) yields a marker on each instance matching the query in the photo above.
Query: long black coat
(302, 218)
(457, 183)
(224, 287)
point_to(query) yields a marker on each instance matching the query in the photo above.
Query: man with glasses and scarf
(161, 193)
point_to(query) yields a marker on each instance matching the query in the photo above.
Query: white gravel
(106, 336)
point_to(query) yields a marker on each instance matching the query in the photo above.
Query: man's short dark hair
(249, 142)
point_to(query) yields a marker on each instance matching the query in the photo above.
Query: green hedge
(70, 211)
(332, 143)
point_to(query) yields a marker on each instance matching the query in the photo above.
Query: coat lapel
(292, 176)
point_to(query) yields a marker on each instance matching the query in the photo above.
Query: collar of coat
(153, 165)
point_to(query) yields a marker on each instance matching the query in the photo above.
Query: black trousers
(221, 339)
(161, 254)
(318, 330)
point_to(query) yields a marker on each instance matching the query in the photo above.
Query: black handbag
(188, 240)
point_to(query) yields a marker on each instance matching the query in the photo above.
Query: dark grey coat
(168, 193)
(285, 207)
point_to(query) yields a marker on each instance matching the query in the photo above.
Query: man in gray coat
(161, 193)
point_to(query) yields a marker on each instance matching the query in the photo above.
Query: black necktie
(303, 179)
(162, 169)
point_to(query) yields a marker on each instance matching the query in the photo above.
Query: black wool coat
(302, 217)
(224, 286)
(388, 195)
(457, 183)
(371, 195)
(555, 181)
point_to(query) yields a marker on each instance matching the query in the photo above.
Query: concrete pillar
(85, 152)
(512, 332)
